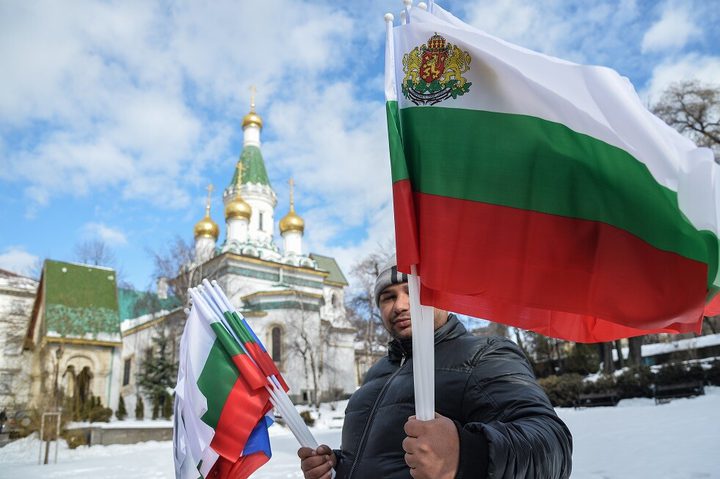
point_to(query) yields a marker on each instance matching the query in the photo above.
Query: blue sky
(114, 116)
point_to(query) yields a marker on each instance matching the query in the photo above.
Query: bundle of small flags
(226, 390)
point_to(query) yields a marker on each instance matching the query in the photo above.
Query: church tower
(251, 182)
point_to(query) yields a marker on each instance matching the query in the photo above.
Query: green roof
(253, 167)
(135, 303)
(80, 299)
(330, 265)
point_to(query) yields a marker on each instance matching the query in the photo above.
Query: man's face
(395, 311)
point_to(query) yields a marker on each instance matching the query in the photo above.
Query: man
(492, 418)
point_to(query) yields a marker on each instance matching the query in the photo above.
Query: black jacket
(507, 426)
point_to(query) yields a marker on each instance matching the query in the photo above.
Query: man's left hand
(432, 448)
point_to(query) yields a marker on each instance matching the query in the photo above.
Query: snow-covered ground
(636, 439)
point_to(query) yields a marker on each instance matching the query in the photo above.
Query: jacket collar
(403, 347)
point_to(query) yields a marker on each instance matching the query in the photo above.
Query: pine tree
(121, 412)
(167, 408)
(158, 372)
(139, 408)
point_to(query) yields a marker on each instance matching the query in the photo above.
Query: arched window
(260, 221)
(335, 300)
(276, 341)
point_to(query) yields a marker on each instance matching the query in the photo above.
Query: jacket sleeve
(510, 427)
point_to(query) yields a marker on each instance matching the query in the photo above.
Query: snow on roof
(656, 349)
(134, 322)
(680, 345)
(10, 280)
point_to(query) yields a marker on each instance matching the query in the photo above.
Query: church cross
(291, 182)
(210, 189)
(253, 90)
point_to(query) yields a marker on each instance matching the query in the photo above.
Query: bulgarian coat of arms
(433, 72)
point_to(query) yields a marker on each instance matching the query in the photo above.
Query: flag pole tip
(422, 6)
(407, 3)
(389, 17)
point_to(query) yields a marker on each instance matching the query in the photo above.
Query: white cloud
(111, 236)
(576, 31)
(336, 149)
(672, 31)
(19, 261)
(127, 95)
(704, 68)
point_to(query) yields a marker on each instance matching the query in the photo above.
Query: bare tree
(363, 312)
(693, 109)
(309, 335)
(177, 264)
(95, 252)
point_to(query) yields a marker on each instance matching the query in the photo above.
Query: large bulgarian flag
(220, 406)
(541, 193)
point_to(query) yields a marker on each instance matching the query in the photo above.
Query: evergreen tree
(156, 407)
(139, 408)
(121, 412)
(167, 407)
(158, 372)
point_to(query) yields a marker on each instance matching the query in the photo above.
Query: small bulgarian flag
(542, 194)
(254, 347)
(221, 404)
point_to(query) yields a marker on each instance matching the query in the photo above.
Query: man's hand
(432, 448)
(318, 463)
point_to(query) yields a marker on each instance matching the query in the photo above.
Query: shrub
(583, 359)
(671, 373)
(167, 407)
(75, 438)
(713, 374)
(695, 372)
(635, 382)
(307, 417)
(564, 390)
(121, 412)
(603, 384)
(139, 408)
(98, 413)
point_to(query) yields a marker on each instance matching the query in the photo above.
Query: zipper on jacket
(363, 438)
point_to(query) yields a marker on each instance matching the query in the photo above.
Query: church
(75, 334)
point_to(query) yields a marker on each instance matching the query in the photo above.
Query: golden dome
(292, 222)
(207, 228)
(237, 208)
(252, 118)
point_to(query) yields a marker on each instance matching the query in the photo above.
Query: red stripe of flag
(560, 276)
(238, 418)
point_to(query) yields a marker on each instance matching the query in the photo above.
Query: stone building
(72, 340)
(17, 295)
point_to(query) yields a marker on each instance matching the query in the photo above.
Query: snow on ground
(636, 439)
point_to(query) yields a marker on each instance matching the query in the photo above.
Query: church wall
(74, 356)
(17, 296)
(135, 344)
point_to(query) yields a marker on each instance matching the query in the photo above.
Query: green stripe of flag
(533, 164)
(216, 380)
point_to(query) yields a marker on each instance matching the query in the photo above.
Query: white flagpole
(423, 335)
(423, 331)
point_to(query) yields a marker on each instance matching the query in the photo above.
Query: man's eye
(387, 298)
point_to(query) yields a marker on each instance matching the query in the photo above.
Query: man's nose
(402, 303)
